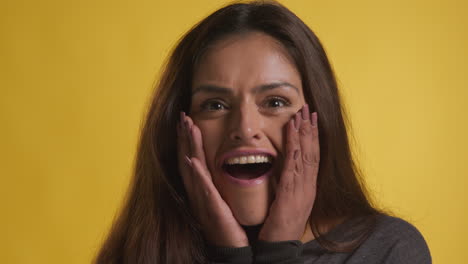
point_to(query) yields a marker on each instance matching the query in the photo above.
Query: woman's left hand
(296, 191)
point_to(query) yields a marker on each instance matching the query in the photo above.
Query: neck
(252, 232)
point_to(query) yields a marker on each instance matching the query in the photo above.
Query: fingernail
(313, 119)
(188, 161)
(305, 112)
(296, 154)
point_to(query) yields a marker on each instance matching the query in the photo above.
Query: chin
(251, 219)
(250, 208)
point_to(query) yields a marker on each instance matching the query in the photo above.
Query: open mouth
(248, 167)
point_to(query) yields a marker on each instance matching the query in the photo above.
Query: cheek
(212, 135)
(276, 131)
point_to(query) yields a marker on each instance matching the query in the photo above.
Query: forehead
(246, 61)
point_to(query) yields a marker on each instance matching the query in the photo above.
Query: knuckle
(287, 187)
(290, 152)
(293, 139)
(316, 159)
(311, 159)
(298, 169)
(315, 133)
(308, 158)
(289, 169)
(305, 130)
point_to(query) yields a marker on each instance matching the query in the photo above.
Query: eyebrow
(208, 88)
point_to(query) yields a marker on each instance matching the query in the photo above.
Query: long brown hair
(155, 225)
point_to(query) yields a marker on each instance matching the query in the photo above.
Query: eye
(276, 102)
(213, 105)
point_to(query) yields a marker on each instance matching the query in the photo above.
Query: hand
(219, 226)
(296, 191)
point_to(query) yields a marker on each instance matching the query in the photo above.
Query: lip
(245, 152)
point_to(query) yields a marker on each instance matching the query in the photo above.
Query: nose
(245, 124)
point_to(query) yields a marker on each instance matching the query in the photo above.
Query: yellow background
(76, 76)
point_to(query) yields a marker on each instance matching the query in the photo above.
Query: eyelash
(284, 101)
(205, 106)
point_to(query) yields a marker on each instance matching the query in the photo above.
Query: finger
(194, 139)
(193, 190)
(184, 145)
(196, 143)
(297, 155)
(315, 141)
(183, 151)
(188, 123)
(202, 174)
(206, 189)
(187, 177)
(286, 183)
(306, 142)
(297, 120)
(305, 113)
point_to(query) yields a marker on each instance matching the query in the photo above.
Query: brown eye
(213, 106)
(277, 102)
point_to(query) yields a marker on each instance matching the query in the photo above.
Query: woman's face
(244, 91)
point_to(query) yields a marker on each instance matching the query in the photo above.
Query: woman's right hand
(219, 226)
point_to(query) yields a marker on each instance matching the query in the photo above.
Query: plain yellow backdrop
(76, 77)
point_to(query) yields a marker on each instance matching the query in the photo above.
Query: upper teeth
(249, 159)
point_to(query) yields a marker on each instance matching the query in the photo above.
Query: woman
(244, 156)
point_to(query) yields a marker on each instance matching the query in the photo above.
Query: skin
(246, 95)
